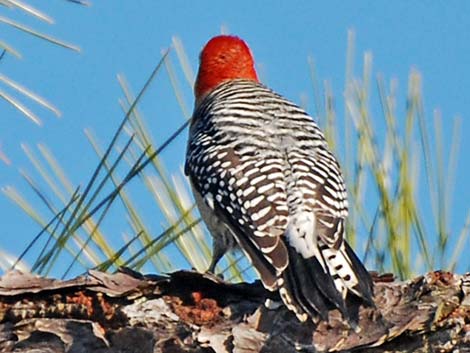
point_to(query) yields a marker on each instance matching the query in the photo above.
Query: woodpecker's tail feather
(348, 272)
(365, 286)
(310, 291)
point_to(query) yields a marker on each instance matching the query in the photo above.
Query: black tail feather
(325, 283)
(304, 292)
(312, 288)
(365, 286)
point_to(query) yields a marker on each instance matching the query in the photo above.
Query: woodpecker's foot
(216, 256)
(212, 273)
(211, 268)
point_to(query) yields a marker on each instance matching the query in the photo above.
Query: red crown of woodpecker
(223, 58)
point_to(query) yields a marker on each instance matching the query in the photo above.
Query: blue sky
(128, 37)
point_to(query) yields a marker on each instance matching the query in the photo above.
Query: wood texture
(192, 312)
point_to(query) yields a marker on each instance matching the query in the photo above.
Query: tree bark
(192, 312)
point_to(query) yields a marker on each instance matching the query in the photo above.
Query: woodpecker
(265, 181)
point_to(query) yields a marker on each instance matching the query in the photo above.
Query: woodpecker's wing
(219, 176)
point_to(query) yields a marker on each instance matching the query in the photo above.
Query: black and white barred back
(264, 179)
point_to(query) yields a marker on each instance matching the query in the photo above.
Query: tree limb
(192, 312)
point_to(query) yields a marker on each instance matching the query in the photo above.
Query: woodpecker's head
(223, 58)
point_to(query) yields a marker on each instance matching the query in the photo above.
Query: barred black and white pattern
(264, 179)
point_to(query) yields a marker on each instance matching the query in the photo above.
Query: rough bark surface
(191, 312)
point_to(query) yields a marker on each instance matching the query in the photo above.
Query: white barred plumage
(264, 179)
